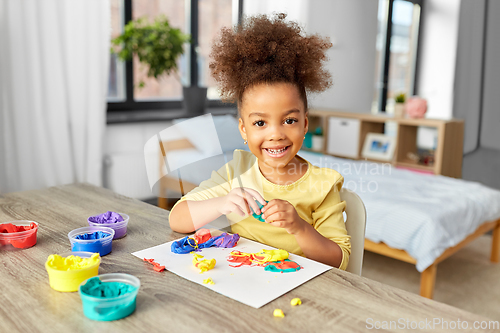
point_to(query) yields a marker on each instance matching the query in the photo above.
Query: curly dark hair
(268, 50)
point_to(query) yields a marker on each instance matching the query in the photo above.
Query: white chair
(355, 225)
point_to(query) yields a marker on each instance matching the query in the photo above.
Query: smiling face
(273, 121)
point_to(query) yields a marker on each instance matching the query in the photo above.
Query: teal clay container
(109, 297)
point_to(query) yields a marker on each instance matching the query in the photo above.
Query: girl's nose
(276, 133)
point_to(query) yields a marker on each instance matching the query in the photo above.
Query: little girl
(267, 66)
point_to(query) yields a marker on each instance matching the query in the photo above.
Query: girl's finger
(272, 217)
(275, 223)
(237, 209)
(255, 194)
(251, 201)
(243, 204)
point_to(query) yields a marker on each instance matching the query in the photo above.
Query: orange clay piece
(156, 265)
(256, 259)
(204, 264)
(202, 235)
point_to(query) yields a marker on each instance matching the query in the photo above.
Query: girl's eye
(259, 123)
(290, 121)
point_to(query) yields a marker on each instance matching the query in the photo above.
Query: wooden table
(335, 300)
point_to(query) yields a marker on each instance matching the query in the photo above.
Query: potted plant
(399, 107)
(158, 46)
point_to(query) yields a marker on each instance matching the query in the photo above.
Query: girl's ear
(306, 123)
(241, 127)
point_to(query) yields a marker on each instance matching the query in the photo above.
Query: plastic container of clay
(102, 245)
(17, 240)
(68, 280)
(120, 228)
(104, 302)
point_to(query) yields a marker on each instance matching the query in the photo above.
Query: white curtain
(54, 64)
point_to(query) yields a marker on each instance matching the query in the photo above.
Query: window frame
(382, 100)
(163, 108)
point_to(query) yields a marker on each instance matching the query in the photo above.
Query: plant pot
(195, 100)
(399, 110)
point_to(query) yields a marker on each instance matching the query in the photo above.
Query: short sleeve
(328, 220)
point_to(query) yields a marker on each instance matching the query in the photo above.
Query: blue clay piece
(185, 245)
(259, 216)
(92, 235)
(96, 292)
(102, 246)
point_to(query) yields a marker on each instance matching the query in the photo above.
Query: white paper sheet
(252, 286)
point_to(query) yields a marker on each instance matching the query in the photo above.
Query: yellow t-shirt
(315, 197)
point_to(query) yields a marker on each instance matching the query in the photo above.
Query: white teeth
(273, 151)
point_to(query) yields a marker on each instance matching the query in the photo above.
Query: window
(202, 19)
(397, 45)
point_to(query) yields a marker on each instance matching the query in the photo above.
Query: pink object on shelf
(416, 107)
(427, 172)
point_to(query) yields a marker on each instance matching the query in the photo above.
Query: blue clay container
(102, 245)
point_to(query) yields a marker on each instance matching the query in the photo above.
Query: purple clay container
(120, 228)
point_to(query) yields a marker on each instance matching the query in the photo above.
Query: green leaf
(157, 45)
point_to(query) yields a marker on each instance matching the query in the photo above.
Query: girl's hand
(281, 213)
(239, 200)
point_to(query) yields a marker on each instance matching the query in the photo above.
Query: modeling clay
(97, 288)
(108, 217)
(10, 228)
(202, 235)
(259, 216)
(208, 281)
(242, 258)
(109, 300)
(188, 245)
(226, 240)
(71, 262)
(271, 255)
(279, 313)
(157, 267)
(92, 235)
(204, 264)
(184, 245)
(283, 266)
(66, 274)
(295, 301)
(256, 259)
(83, 242)
(20, 241)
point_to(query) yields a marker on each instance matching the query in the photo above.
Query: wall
(468, 74)
(490, 134)
(124, 164)
(352, 28)
(438, 53)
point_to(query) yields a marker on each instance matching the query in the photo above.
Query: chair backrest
(355, 225)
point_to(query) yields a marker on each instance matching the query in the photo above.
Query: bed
(417, 218)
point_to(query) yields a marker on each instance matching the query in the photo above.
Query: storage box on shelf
(345, 133)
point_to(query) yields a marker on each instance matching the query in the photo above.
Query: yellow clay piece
(203, 264)
(279, 313)
(208, 281)
(295, 301)
(71, 262)
(271, 255)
